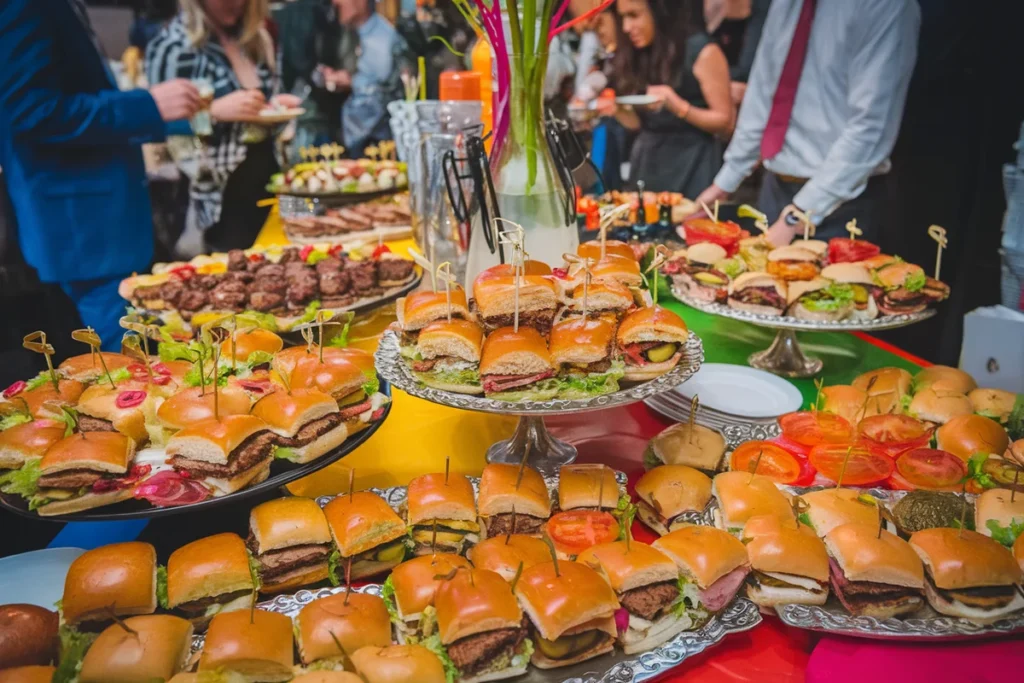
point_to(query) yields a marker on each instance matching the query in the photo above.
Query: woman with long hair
(663, 51)
(226, 44)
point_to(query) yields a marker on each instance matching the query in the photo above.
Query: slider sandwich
(398, 663)
(192, 405)
(874, 574)
(88, 367)
(968, 575)
(290, 543)
(999, 514)
(28, 441)
(517, 366)
(28, 637)
(441, 514)
(651, 341)
(647, 584)
(846, 401)
(111, 581)
(583, 350)
(697, 275)
(687, 444)
(495, 299)
(507, 503)
(830, 508)
(758, 293)
(885, 387)
(28, 674)
(226, 455)
(938, 405)
(254, 643)
(327, 677)
(741, 495)
(995, 404)
(571, 610)
(124, 408)
(670, 495)
(446, 356)
(607, 297)
(350, 380)
(367, 533)
(210, 576)
(625, 271)
(148, 648)
(906, 289)
(44, 401)
(84, 471)
(859, 280)
(793, 262)
(409, 593)
(589, 487)
(355, 620)
(481, 629)
(712, 567)
(247, 346)
(420, 309)
(819, 300)
(504, 554)
(788, 563)
(592, 249)
(817, 247)
(307, 423)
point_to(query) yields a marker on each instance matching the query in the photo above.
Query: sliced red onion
(15, 389)
(621, 620)
(130, 399)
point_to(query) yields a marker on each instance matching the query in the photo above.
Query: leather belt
(790, 178)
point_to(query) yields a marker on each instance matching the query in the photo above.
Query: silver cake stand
(547, 453)
(785, 357)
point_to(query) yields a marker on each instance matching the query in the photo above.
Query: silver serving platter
(392, 367)
(786, 322)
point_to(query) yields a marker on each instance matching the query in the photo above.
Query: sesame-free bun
(457, 339)
(287, 522)
(498, 493)
(192, 405)
(475, 601)
(998, 506)
(212, 566)
(697, 446)
(623, 270)
(28, 674)
(848, 273)
(497, 296)
(286, 413)
(430, 497)
(1018, 551)
(829, 508)
(893, 275)
(248, 342)
(791, 252)
(558, 602)
(45, 401)
(157, 648)
(327, 677)
(757, 279)
(119, 574)
(362, 521)
(945, 377)
(705, 553)
(674, 489)
(28, 440)
(785, 548)
(215, 440)
(626, 567)
(890, 385)
(508, 352)
(799, 288)
(100, 401)
(503, 554)
(398, 664)
(652, 323)
(415, 581)
(606, 295)
(98, 451)
(966, 435)
(255, 643)
(863, 555)
(88, 367)
(581, 340)
(592, 249)
(707, 253)
(958, 559)
(741, 496)
(580, 486)
(939, 405)
(28, 636)
(996, 404)
(359, 621)
(420, 309)
(846, 401)
(339, 377)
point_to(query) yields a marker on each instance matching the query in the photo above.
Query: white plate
(637, 100)
(36, 577)
(742, 391)
(273, 116)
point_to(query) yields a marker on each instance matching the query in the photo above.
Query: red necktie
(785, 94)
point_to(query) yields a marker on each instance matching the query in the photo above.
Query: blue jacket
(70, 147)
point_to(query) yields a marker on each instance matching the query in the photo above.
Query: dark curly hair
(657, 64)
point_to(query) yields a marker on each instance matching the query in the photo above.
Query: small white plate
(637, 100)
(269, 117)
(36, 577)
(742, 391)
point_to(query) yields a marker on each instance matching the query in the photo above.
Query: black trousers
(240, 218)
(868, 208)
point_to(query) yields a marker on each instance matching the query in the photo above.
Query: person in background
(383, 57)
(149, 21)
(822, 110)
(736, 26)
(665, 53)
(225, 43)
(70, 149)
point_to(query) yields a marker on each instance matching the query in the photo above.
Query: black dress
(671, 155)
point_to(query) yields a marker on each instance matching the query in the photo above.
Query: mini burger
(788, 563)
(447, 356)
(149, 648)
(441, 514)
(327, 677)
(571, 610)
(307, 423)
(44, 401)
(652, 342)
(670, 495)
(968, 575)
(85, 471)
(846, 401)
(124, 409)
(226, 455)
(817, 247)
(687, 444)
(195, 404)
(88, 368)
(819, 300)
(290, 543)
(409, 592)
(589, 487)
(793, 262)
(367, 533)
(255, 643)
(1000, 514)
(28, 674)
(583, 350)
(712, 566)
(995, 404)
(885, 388)
(495, 299)
(754, 251)
(592, 249)
(943, 377)
(966, 435)
(28, 637)
(420, 309)
(398, 663)
(758, 293)
(353, 620)
(240, 347)
(503, 495)
(741, 495)
(28, 441)
(830, 508)
(603, 298)
(111, 581)
(904, 288)
(517, 366)
(625, 271)
(481, 629)
(874, 574)
(938, 405)
(860, 282)
(351, 384)
(646, 582)
(697, 276)
(210, 576)
(504, 554)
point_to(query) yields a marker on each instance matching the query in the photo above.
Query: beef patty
(196, 608)
(539, 320)
(69, 479)
(648, 602)
(474, 653)
(500, 525)
(275, 563)
(311, 430)
(88, 423)
(252, 452)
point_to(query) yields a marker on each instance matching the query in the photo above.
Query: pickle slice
(392, 552)
(660, 354)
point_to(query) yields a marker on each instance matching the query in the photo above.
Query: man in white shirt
(822, 111)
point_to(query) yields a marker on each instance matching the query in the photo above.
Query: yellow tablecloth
(417, 436)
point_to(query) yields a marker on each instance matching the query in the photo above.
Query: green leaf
(13, 420)
(259, 358)
(651, 459)
(831, 298)
(316, 256)
(733, 267)
(372, 386)
(976, 471)
(37, 381)
(161, 586)
(433, 643)
(254, 572)
(471, 376)
(803, 518)
(915, 282)
(192, 377)
(265, 320)
(333, 567)
(905, 400)
(309, 315)
(1006, 535)
(118, 375)
(340, 340)
(1015, 425)
(73, 646)
(37, 501)
(284, 453)
(23, 482)
(592, 384)
(69, 418)
(387, 594)
(172, 350)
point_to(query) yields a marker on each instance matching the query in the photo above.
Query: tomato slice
(865, 465)
(775, 462)
(845, 250)
(723, 233)
(894, 434)
(928, 468)
(576, 530)
(815, 428)
(792, 446)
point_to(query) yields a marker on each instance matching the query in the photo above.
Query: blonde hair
(253, 39)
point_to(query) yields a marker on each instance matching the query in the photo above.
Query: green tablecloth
(731, 341)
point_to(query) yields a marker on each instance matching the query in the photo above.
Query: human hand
(708, 198)
(737, 90)
(781, 233)
(606, 106)
(339, 78)
(238, 106)
(286, 101)
(667, 99)
(176, 99)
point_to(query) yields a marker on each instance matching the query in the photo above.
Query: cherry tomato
(846, 250)
(894, 434)
(815, 428)
(864, 466)
(576, 530)
(770, 460)
(184, 271)
(928, 468)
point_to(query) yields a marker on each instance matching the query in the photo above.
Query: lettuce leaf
(1015, 425)
(433, 643)
(161, 586)
(14, 420)
(583, 386)
(471, 377)
(915, 282)
(976, 471)
(284, 453)
(387, 594)
(117, 375)
(543, 390)
(334, 567)
(372, 386)
(37, 381)
(264, 320)
(315, 257)
(1006, 535)
(340, 339)
(831, 298)
(651, 459)
(23, 482)
(259, 358)
(172, 350)
(254, 572)
(73, 646)
(733, 267)
(804, 518)
(689, 597)
(309, 315)
(192, 377)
